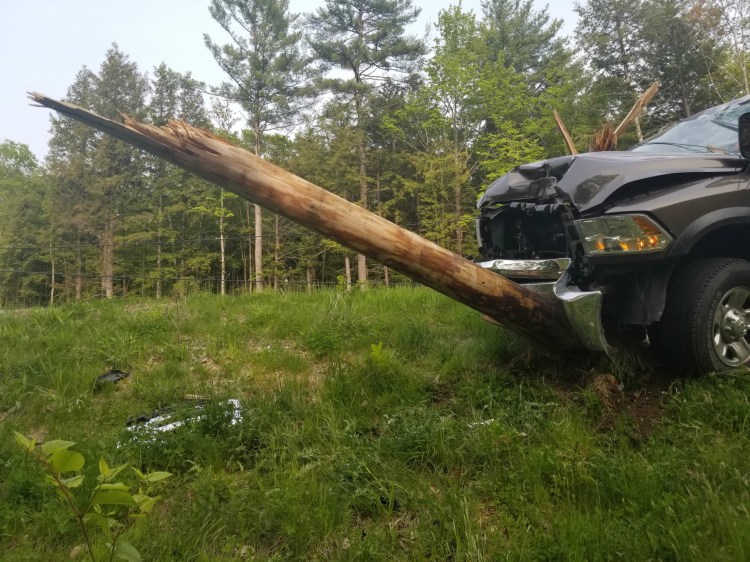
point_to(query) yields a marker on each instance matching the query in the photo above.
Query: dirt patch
(609, 402)
(643, 407)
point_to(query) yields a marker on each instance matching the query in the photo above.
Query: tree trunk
(519, 308)
(258, 228)
(52, 279)
(626, 69)
(276, 247)
(108, 257)
(223, 284)
(160, 218)
(79, 268)
(361, 149)
(459, 211)
(348, 272)
(249, 262)
(258, 249)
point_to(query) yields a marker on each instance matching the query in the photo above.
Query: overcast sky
(44, 43)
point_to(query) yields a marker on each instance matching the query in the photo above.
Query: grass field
(375, 426)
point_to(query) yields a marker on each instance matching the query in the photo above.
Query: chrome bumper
(582, 308)
(541, 270)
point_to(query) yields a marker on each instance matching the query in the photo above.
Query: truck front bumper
(582, 308)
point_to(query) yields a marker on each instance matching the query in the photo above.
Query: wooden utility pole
(514, 306)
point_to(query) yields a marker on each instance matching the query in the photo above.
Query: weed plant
(376, 425)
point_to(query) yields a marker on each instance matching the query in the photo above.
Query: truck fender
(704, 225)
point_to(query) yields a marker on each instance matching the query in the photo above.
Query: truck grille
(522, 231)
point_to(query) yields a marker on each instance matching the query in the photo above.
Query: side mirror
(744, 134)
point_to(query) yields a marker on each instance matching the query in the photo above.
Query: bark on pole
(513, 306)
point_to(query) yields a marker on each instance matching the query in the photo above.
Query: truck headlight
(621, 234)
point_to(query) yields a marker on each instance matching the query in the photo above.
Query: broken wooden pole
(644, 99)
(538, 316)
(566, 135)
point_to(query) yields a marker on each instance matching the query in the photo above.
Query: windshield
(713, 130)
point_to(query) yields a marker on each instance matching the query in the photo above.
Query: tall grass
(376, 426)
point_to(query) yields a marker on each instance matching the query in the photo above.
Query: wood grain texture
(537, 316)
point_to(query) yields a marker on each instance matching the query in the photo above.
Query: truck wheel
(706, 319)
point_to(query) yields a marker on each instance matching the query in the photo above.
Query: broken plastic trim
(111, 376)
(148, 428)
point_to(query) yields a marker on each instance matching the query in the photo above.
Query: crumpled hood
(590, 179)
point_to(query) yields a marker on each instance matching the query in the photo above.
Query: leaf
(51, 481)
(23, 441)
(93, 519)
(115, 486)
(156, 476)
(51, 447)
(126, 551)
(74, 482)
(138, 473)
(63, 460)
(111, 474)
(146, 503)
(113, 497)
(103, 468)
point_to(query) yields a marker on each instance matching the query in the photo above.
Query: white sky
(44, 43)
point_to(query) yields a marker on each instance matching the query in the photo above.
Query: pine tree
(609, 33)
(267, 70)
(365, 39)
(163, 223)
(98, 177)
(527, 40)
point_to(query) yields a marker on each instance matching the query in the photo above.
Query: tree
(99, 177)
(726, 23)
(366, 40)
(441, 121)
(609, 35)
(525, 39)
(524, 49)
(120, 87)
(25, 237)
(16, 161)
(165, 222)
(267, 71)
(674, 54)
(326, 154)
(69, 162)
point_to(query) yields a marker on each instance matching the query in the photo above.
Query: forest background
(347, 99)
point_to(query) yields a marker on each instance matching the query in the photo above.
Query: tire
(706, 319)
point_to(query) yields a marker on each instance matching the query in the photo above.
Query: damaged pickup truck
(651, 243)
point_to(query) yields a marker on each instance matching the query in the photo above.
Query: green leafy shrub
(112, 507)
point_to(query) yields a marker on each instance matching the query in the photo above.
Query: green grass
(452, 440)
